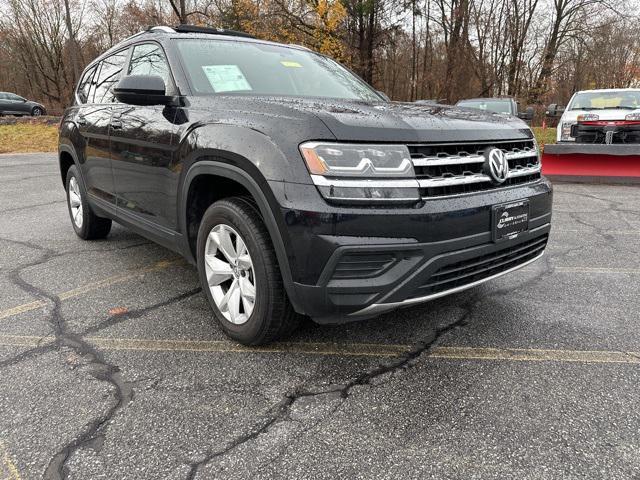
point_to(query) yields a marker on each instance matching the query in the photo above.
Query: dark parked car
(12, 104)
(294, 186)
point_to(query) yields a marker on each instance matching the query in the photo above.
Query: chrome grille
(453, 169)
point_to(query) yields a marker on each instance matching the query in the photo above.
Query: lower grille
(623, 134)
(358, 265)
(479, 268)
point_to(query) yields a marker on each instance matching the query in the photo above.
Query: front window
(110, 71)
(247, 68)
(494, 106)
(149, 59)
(625, 100)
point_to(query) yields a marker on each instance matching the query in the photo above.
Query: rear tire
(237, 261)
(86, 224)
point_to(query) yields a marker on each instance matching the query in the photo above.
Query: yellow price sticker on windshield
(290, 64)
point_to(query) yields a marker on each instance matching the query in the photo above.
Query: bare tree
(535, 50)
(569, 18)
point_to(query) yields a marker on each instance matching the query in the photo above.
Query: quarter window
(149, 59)
(110, 70)
(85, 85)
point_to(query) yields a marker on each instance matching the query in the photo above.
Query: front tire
(86, 224)
(240, 276)
(36, 112)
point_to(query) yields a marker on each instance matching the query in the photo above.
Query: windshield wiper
(625, 107)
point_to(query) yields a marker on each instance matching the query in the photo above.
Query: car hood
(607, 114)
(383, 121)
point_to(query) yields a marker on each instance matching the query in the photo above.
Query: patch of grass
(25, 138)
(545, 136)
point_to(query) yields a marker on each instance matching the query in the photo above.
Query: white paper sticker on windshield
(226, 78)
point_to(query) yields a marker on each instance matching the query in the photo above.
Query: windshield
(247, 68)
(496, 106)
(628, 100)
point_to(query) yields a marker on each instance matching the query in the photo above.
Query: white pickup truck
(609, 116)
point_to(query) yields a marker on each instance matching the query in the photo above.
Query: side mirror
(527, 114)
(383, 95)
(554, 110)
(551, 110)
(142, 90)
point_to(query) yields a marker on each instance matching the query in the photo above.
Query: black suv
(294, 186)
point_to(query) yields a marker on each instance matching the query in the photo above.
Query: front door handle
(116, 124)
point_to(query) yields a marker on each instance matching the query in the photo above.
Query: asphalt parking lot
(111, 366)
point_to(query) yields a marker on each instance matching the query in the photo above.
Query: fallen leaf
(118, 311)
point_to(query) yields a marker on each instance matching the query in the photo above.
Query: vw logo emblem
(496, 165)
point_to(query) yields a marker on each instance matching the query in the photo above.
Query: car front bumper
(353, 263)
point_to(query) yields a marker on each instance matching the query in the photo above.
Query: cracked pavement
(111, 366)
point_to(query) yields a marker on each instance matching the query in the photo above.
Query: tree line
(538, 51)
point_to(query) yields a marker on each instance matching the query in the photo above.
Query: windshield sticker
(226, 78)
(290, 64)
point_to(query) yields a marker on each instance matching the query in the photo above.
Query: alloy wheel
(75, 202)
(230, 274)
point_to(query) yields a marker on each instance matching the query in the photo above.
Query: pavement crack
(108, 322)
(133, 314)
(281, 410)
(99, 367)
(101, 370)
(33, 205)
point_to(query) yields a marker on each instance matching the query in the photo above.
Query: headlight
(361, 173)
(353, 160)
(633, 117)
(565, 132)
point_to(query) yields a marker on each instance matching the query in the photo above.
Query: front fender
(250, 159)
(245, 148)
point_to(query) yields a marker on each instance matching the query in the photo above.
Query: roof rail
(210, 30)
(161, 28)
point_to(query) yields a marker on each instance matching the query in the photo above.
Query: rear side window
(85, 85)
(149, 59)
(109, 74)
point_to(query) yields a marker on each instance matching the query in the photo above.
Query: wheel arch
(67, 158)
(214, 163)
